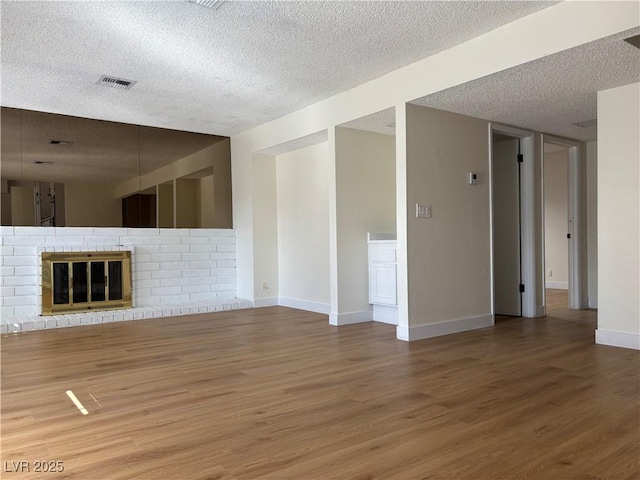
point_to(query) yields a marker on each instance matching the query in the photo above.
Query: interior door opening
(556, 217)
(507, 226)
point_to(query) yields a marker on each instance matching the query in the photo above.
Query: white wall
(448, 255)
(556, 219)
(619, 217)
(560, 27)
(365, 201)
(592, 223)
(265, 226)
(92, 206)
(302, 183)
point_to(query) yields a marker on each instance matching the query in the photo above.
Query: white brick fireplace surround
(174, 272)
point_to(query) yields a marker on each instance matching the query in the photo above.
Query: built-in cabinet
(382, 273)
(383, 277)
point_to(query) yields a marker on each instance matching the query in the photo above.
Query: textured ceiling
(101, 152)
(220, 71)
(549, 94)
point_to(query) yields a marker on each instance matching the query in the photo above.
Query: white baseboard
(557, 285)
(541, 311)
(350, 318)
(265, 302)
(593, 302)
(618, 339)
(385, 314)
(429, 330)
(316, 307)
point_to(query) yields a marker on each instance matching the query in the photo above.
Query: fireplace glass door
(82, 281)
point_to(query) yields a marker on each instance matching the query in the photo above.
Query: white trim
(385, 314)
(448, 327)
(541, 311)
(265, 302)
(338, 319)
(316, 307)
(577, 287)
(557, 285)
(618, 339)
(527, 216)
(593, 302)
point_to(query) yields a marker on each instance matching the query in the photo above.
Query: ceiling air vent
(42, 162)
(587, 123)
(113, 82)
(215, 4)
(60, 142)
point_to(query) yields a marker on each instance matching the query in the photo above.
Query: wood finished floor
(276, 393)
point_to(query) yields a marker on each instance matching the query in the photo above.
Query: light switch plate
(423, 211)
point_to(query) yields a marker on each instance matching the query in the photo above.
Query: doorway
(556, 217)
(574, 225)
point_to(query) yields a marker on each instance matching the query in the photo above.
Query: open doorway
(556, 219)
(558, 150)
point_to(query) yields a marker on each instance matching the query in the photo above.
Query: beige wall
(217, 156)
(448, 255)
(365, 202)
(592, 223)
(302, 185)
(186, 203)
(619, 216)
(556, 219)
(91, 206)
(165, 209)
(23, 206)
(205, 202)
(265, 223)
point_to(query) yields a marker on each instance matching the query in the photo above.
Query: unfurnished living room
(325, 240)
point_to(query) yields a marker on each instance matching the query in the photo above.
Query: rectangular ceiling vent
(114, 82)
(215, 4)
(587, 123)
(60, 142)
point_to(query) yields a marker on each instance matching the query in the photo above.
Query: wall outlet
(265, 286)
(550, 273)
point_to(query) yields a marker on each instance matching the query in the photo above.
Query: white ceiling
(549, 94)
(220, 71)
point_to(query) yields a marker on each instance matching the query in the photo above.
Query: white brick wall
(169, 266)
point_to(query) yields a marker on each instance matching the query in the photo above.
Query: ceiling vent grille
(114, 82)
(587, 123)
(215, 4)
(60, 142)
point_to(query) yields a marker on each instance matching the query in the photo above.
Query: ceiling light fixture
(215, 4)
(114, 82)
(587, 123)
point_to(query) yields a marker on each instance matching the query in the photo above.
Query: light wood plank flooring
(276, 393)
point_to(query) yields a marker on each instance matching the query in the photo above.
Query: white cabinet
(382, 273)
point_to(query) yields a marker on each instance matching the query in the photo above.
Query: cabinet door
(382, 284)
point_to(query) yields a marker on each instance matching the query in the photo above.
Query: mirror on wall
(58, 170)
